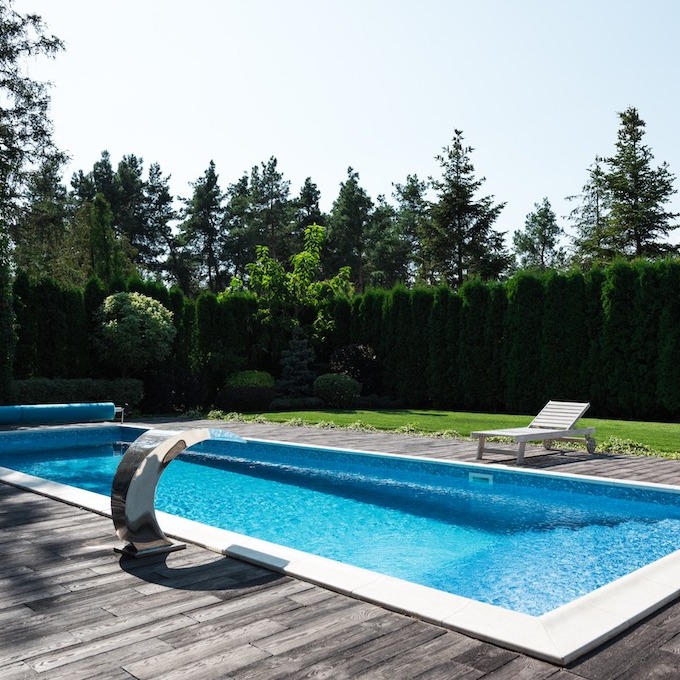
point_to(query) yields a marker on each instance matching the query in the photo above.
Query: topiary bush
(337, 390)
(246, 391)
(133, 331)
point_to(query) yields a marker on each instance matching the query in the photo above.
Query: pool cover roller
(46, 414)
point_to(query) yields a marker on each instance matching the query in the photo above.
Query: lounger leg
(520, 453)
(480, 447)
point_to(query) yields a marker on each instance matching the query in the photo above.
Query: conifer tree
(538, 246)
(462, 241)
(297, 375)
(639, 221)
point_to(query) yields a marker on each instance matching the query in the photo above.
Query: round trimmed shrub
(134, 331)
(337, 390)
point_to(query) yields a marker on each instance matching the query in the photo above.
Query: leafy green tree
(538, 246)
(25, 128)
(134, 331)
(201, 233)
(296, 298)
(461, 241)
(639, 220)
(348, 225)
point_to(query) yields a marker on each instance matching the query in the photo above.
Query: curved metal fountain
(133, 491)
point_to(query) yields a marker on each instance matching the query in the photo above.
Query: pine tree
(461, 241)
(202, 233)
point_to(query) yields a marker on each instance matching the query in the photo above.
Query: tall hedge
(525, 388)
(442, 335)
(476, 383)
(667, 374)
(610, 336)
(619, 291)
(564, 337)
(53, 339)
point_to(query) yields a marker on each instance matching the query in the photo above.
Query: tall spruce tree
(639, 221)
(462, 241)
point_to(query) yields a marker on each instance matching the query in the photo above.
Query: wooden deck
(71, 608)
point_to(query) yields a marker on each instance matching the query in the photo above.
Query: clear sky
(379, 85)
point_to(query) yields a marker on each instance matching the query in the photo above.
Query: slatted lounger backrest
(560, 415)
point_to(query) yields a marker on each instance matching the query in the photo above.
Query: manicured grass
(662, 437)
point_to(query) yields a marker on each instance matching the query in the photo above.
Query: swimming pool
(525, 544)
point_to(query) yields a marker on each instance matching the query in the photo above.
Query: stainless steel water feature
(133, 491)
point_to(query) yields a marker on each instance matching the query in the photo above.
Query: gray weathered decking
(70, 608)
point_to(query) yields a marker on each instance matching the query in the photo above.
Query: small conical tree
(297, 375)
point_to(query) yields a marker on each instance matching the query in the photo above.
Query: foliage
(609, 337)
(250, 379)
(538, 245)
(64, 391)
(25, 142)
(25, 129)
(337, 390)
(134, 331)
(52, 330)
(296, 298)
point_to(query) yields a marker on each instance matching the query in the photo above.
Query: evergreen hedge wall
(611, 337)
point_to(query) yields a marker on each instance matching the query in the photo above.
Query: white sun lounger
(555, 422)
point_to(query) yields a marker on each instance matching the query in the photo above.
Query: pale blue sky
(380, 85)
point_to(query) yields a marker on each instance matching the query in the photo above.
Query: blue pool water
(524, 542)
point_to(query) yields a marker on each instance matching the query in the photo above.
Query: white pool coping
(559, 636)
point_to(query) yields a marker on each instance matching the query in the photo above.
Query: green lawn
(659, 437)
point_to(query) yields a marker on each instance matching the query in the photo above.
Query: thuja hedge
(611, 337)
